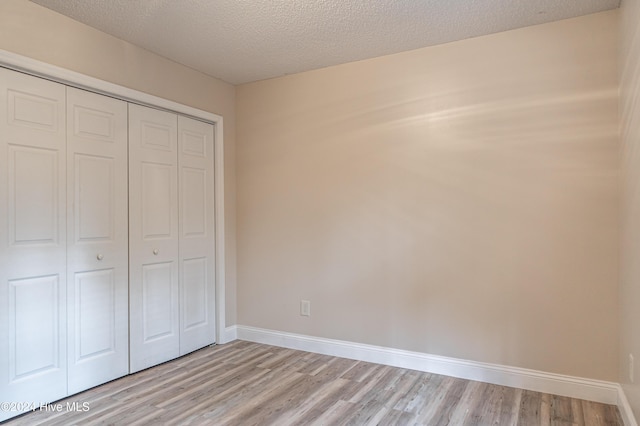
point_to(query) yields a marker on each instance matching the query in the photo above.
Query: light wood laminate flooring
(243, 383)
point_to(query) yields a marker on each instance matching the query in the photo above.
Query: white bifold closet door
(171, 236)
(63, 246)
(97, 239)
(197, 262)
(33, 312)
(153, 233)
(106, 238)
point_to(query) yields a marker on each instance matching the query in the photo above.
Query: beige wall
(630, 212)
(459, 200)
(37, 32)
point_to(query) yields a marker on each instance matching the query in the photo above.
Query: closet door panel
(195, 310)
(97, 239)
(153, 192)
(157, 196)
(197, 262)
(32, 240)
(157, 300)
(95, 318)
(33, 215)
(36, 349)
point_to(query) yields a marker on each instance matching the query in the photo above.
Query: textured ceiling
(247, 40)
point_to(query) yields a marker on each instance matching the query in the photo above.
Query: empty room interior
(319, 212)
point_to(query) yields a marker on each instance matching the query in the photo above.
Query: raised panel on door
(197, 261)
(97, 239)
(157, 296)
(153, 222)
(33, 357)
(33, 181)
(157, 199)
(36, 348)
(95, 305)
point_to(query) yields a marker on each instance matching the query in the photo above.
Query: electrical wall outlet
(305, 308)
(631, 367)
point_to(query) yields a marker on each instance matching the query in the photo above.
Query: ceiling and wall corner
(245, 41)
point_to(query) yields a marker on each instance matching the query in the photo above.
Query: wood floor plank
(465, 402)
(253, 384)
(530, 406)
(399, 388)
(480, 403)
(363, 414)
(561, 410)
(398, 418)
(597, 414)
(242, 392)
(426, 395)
(243, 396)
(449, 403)
(386, 380)
(545, 409)
(285, 356)
(435, 412)
(335, 414)
(247, 412)
(369, 385)
(317, 403)
(361, 371)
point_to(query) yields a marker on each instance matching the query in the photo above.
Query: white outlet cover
(305, 308)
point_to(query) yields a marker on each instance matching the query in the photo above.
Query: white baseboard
(625, 409)
(229, 335)
(539, 381)
(523, 378)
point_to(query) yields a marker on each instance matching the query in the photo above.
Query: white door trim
(74, 79)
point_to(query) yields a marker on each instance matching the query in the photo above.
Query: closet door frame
(71, 78)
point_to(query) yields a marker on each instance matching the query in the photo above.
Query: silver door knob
(156, 251)
(100, 256)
